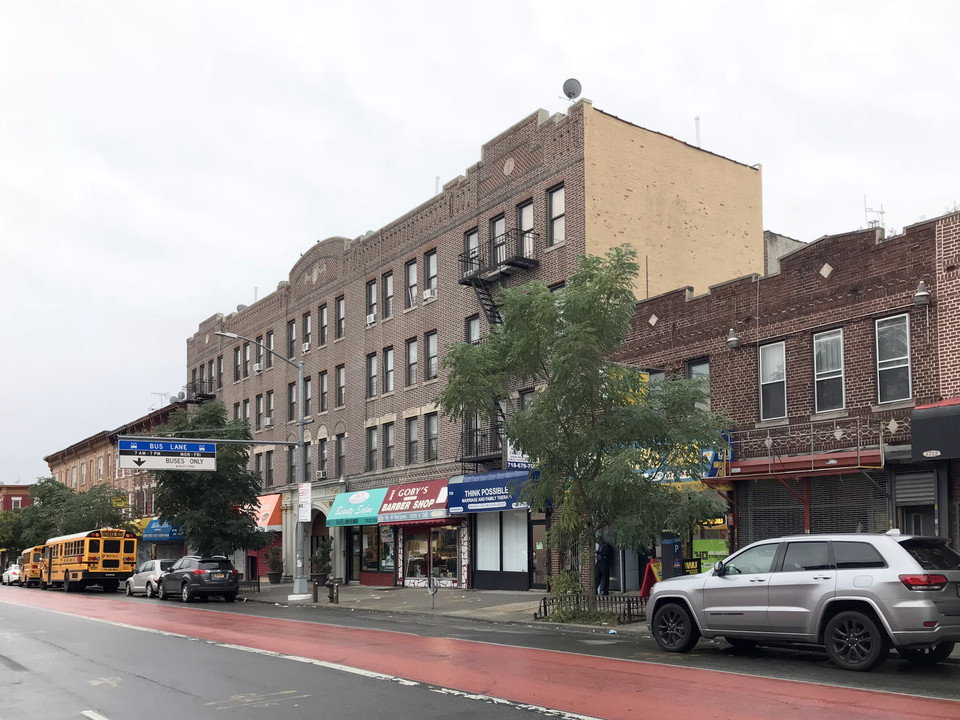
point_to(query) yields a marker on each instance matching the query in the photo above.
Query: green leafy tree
(58, 510)
(45, 517)
(215, 509)
(11, 532)
(601, 436)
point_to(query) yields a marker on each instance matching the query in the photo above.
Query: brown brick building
(370, 316)
(824, 368)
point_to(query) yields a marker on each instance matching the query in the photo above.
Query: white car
(11, 576)
(144, 580)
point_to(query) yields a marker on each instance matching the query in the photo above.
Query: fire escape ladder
(485, 298)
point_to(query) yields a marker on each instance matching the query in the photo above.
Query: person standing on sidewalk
(601, 575)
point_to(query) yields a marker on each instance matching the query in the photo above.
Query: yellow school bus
(103, 557)
(31, 562)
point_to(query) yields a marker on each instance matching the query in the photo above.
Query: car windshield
(932, 554)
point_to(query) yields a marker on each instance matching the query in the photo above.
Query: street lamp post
(299, 580)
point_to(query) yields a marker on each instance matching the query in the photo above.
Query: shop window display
(434, 554)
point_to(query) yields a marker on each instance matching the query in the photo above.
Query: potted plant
(320, 560)
(274, 558)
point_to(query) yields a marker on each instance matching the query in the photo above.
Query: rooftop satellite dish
(571, 88)
(241, 308)
(181, 395)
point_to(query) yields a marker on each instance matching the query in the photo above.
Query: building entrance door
(538, 554)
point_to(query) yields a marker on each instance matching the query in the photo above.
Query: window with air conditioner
(321, 474)
(371, 301)
(305, 347)
(258, 367)
(430, 275)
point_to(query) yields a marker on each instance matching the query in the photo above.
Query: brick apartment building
(370, 317)
(95, 461)
(827, 369)
(14, 497)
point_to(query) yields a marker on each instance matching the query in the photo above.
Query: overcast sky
(161, 162)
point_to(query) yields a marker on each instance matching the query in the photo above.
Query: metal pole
(300, 581)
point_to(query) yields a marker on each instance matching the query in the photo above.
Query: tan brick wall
(694, 217)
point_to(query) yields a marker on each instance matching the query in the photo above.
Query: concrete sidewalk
(503, 606)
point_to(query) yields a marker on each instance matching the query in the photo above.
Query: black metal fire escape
(483, 267)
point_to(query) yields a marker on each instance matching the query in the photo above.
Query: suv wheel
(927, 656)
(674, 629)
(185, 593)
(854, 641)
(230, 597)
(162, 591)
(150, 590)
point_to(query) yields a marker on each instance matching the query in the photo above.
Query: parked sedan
(196, 576)
(145, 579)
(11, 576)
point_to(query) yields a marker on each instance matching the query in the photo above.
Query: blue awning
(162, 532)
(493, 491)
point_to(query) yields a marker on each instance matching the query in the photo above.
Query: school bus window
(94, 546)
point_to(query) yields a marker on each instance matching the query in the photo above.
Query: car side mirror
(718, 567)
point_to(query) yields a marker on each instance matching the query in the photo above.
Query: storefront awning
(269, 518)
(486, 492)
(162, 532)
(414, 502)
(356, 508)
(935, 430)
(141, 524)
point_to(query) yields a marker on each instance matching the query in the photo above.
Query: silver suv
(857, 595)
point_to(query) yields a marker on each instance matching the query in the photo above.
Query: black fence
(250, 585)
(628, 608)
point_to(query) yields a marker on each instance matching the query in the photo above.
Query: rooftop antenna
(571, 88)
(696, 121)
(877, 220)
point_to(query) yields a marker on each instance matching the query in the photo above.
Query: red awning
(416, 502)
(806, 465)
(269, 517)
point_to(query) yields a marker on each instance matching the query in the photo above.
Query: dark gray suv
(857, 595)
(196, 576)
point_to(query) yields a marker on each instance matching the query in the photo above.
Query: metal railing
(850, 435)
(482, 442)
(503, 255)
(627, 608)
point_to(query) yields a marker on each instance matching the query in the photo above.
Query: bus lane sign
(167, 455)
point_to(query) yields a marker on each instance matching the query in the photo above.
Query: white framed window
(556, 216)
(893, 359)
(430, 271)
(410, 275)
(828, 371)
(773, 382)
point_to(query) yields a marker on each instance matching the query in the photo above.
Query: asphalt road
(61, 661)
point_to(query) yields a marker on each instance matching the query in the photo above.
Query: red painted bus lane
(593, 686)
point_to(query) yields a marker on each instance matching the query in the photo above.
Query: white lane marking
(548, 712)
(93, 715)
